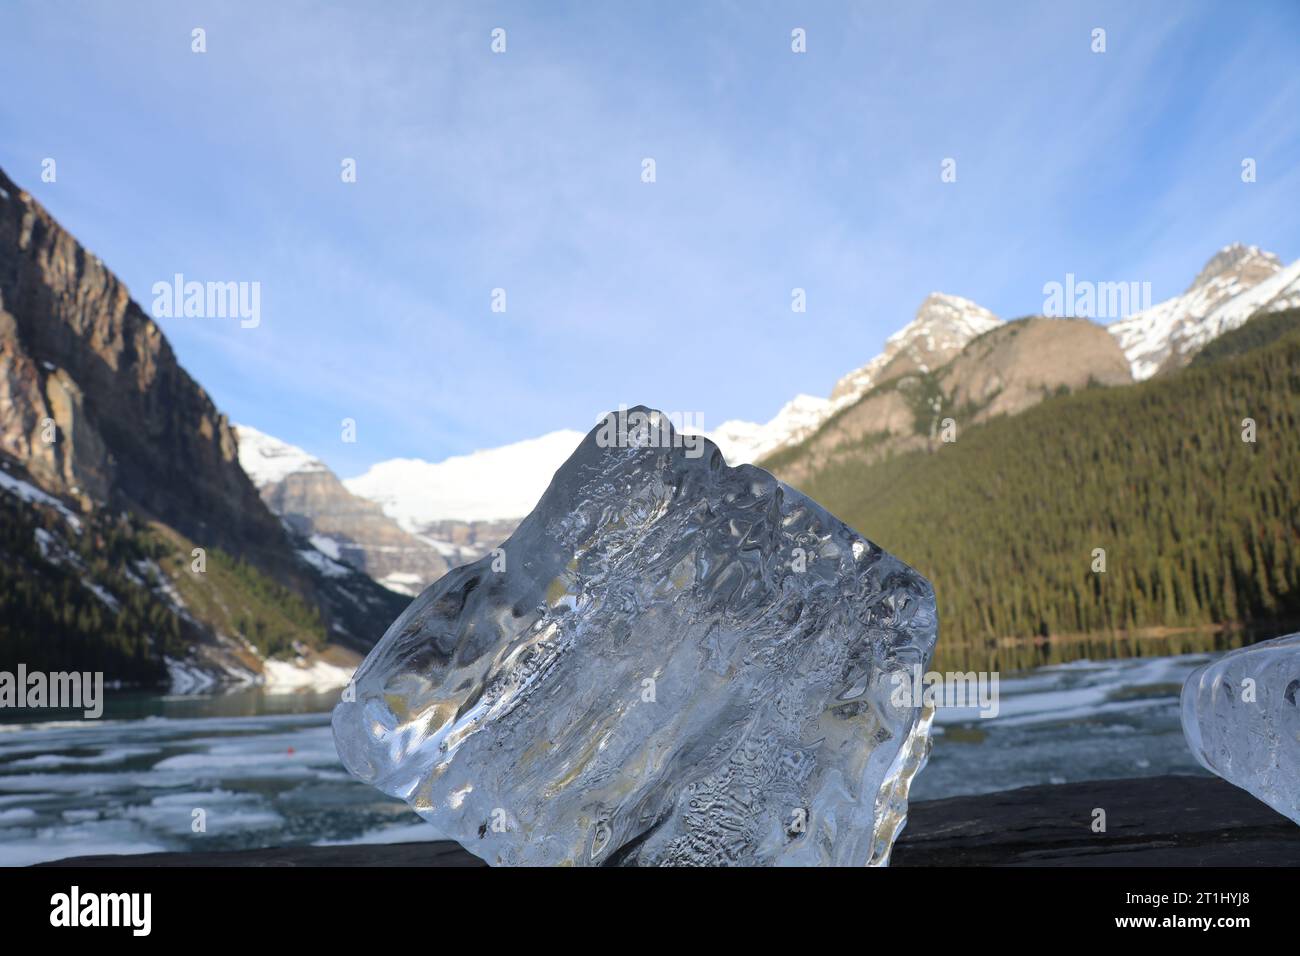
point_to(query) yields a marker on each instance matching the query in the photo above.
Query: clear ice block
(671, 661)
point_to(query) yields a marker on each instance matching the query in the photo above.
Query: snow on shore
(286, 677)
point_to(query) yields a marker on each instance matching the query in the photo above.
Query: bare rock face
(131, 428)
(314, 503)
(311, 500)
(673, 662)
(470, 538)
(95, 407)
(317, 505)
(1015, 366)
(884, 421)
(1008, 368)
(1235, 267)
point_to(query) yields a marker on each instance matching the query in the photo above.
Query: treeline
(93, 601)
(1260, 331)
(1197, 525)
(50, 616)
(269, 616)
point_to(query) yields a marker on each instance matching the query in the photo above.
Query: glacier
(1241, 718)
(671, 662)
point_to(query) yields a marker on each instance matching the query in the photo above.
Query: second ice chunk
(1241, 718)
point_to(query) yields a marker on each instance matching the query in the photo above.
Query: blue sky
(522, 171)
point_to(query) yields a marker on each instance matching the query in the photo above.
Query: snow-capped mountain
(1238, 282)
(346, 529)
(498, 483)
(943, 325)
(503, 484)
(744, 442)
(406, 520)
(498, 486)
(267, 460)
(941, 328)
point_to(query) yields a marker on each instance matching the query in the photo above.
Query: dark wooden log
(1150, 821)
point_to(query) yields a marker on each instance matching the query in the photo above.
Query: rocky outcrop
(94, 403)
(466, 541)
(1017, 365)
(1006, 370)
(311, 500)
(354, 530)
(96, 410)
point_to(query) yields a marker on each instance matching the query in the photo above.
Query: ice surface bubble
(671, 661)
(1241, 718)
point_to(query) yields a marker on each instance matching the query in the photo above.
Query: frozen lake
(264, 772)
(1087, 720)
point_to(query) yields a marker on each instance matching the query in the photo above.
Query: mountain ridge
(1236, 283)
(942, 326)
(311, 500)
(922, 375)
(87, 368)
(106, 441)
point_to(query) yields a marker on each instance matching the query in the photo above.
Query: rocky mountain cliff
(98, 418)
(1014, 366)
(953, 359)
(309, 497)
(95, 405)
(931, 368)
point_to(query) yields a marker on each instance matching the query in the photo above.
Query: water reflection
(1009, 655)
(138, 705)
